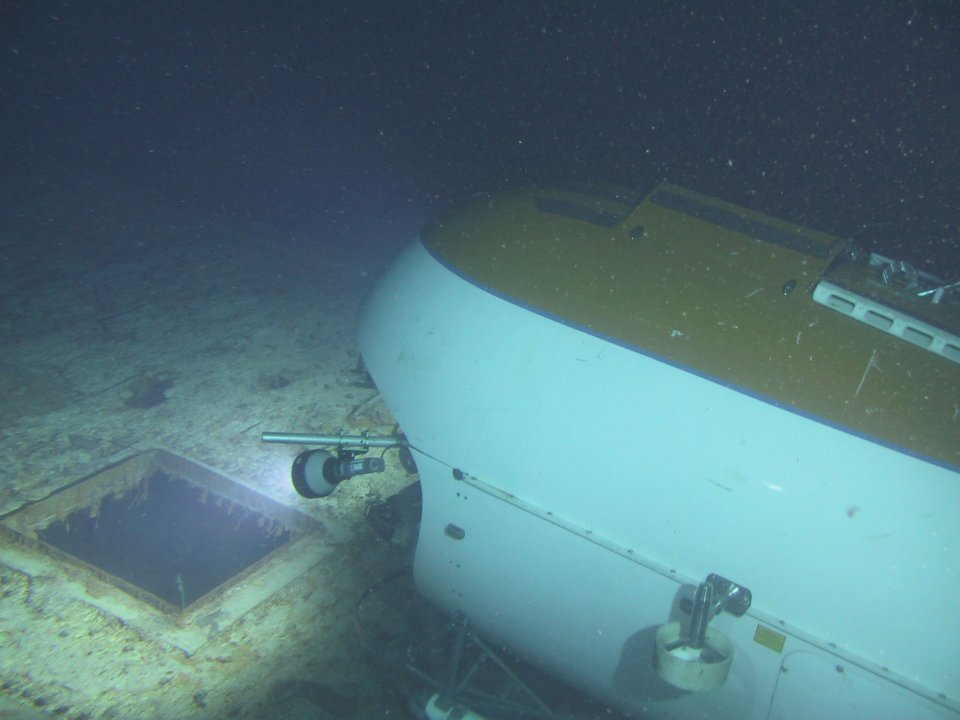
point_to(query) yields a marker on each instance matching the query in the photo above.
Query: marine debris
(148, 391)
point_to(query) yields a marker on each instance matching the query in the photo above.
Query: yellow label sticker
(769, 638)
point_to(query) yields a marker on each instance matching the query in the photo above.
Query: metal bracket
(726, 596)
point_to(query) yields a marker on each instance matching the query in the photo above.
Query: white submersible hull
(694, 460)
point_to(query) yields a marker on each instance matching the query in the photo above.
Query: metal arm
(316, 473)
(362, 441)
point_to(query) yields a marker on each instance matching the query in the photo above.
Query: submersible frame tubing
(357, 441)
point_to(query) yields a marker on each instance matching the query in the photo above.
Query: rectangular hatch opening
(162, 528)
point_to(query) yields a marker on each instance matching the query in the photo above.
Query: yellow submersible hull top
(792, 316)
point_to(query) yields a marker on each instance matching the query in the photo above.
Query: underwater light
(316, 473)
